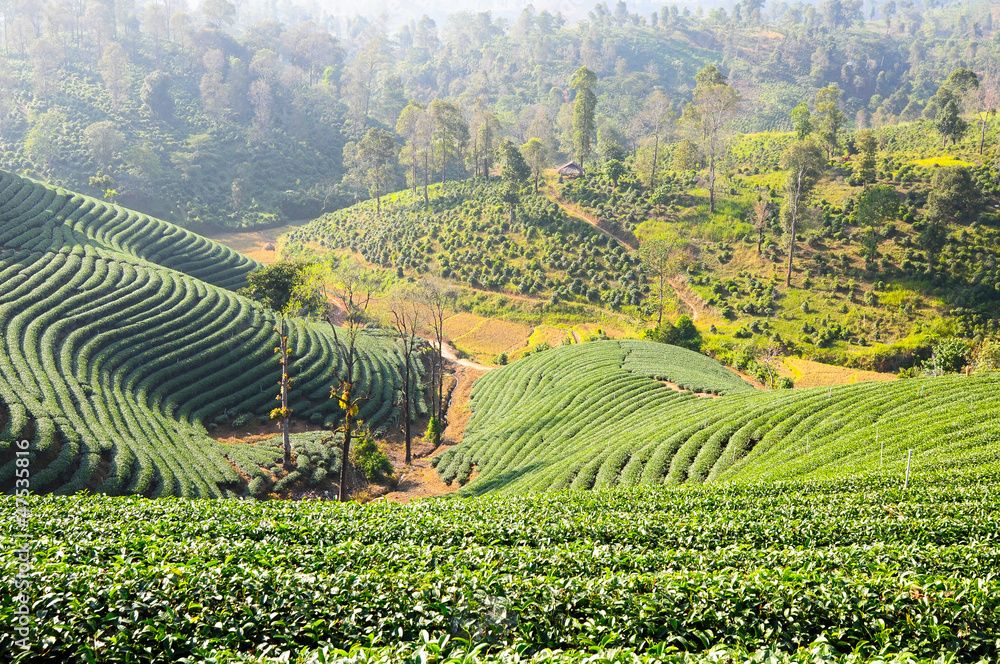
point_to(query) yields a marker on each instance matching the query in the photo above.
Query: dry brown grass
(251, 243)
(493, 336)
(807, 373)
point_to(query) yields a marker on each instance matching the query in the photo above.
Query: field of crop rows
(857, 563)
(466, 235)
(594, 416)
(120, 339)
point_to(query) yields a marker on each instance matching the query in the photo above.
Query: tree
(486, 130)
(536, 155)
(708, 119)
(114, 66)
(876, 205)
(803, 160)
(406, 317)
(802, 120)
(953, 195)
(285, 289)
(986, 100)
(769, 357)
(377, 153)
(614, 170)
(683, 333)
(155, 94)
(218, 13)
(761, 219)
(662, 258)
(656, 116)
(104, 141)
(514, 172)
(439, 299)
(958, 89)
(867, 146)
(451, 133)
(948, 356)
(361, 81)
(41, 142)
(408, 127)
(584, 81)
(349, 287)
(949, 121)
(830, 118)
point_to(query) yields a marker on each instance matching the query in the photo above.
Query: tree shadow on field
(480, 487)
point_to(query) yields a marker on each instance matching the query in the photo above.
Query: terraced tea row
(41, 218)
(593, 416)
(849, 566)
(113, 364)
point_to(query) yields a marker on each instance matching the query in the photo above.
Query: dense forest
(223, 116)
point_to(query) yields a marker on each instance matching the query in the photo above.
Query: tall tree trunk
(344, 455)
(440, 384)
(285, 437)
(659, 315)
(982, 135)
(426, 175)
(406, 405)
(652, 172)
(711, 183)
(795, 219)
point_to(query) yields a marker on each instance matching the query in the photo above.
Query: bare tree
(985, 99)
(761, 217)
(439, 299)
(662, 259)
(349, 287)
(284, 289)
(406, 314)
(656, 117)
(803, 160)
(770, 358)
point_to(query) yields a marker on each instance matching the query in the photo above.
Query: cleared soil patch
(488, 337)
(807, 373)
(421, 480)
(677, 388)
(253, 243)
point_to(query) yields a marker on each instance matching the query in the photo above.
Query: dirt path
(629, 241)
(690, 299)
(448, 352)
(421, 480)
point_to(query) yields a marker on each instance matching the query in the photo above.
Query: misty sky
(401, 11)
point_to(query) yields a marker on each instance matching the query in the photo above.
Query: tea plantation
(122, 339)
(846, 570)
(594, 415)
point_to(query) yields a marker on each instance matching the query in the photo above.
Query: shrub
(949, 356)
(369, 457)
(434, 430)
(988, 357)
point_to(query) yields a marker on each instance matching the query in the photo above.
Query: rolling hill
(122, 339)
(598, 415)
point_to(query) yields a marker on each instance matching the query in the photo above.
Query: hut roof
(570, 168)
(268, 247)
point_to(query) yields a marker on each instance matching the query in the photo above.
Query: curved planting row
(593, 415)
(114, 365)
(42, 218)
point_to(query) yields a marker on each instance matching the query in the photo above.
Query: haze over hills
(607, 334)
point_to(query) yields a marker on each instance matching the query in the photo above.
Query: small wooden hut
(570, 169)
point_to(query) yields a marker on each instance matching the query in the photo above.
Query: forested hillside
(234, 115)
